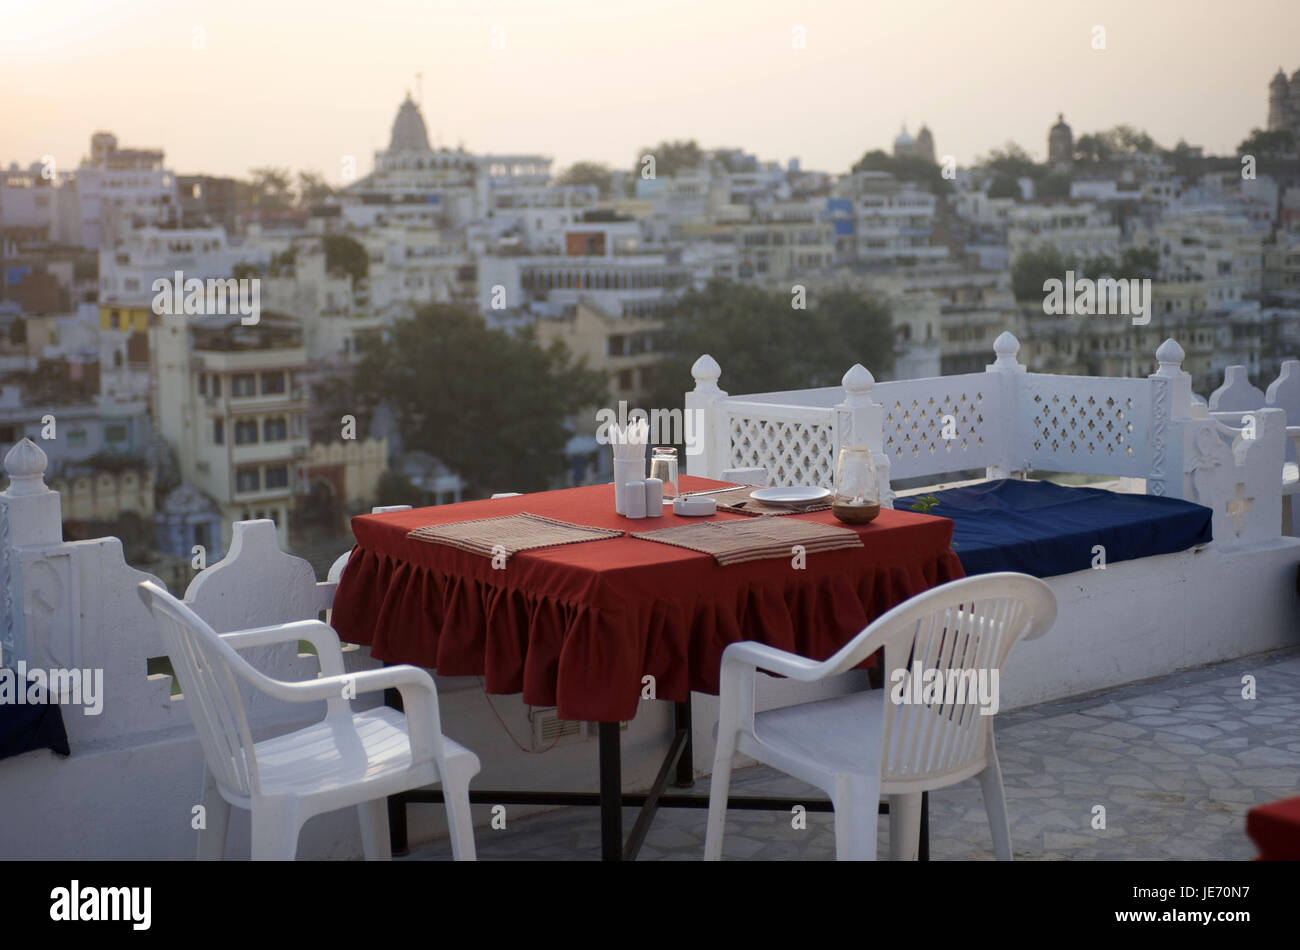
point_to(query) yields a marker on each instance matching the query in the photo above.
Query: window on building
(617, 345)
(77, 437)
(243, 384)
(8, 434)
(218, 432)
(272, 384)
(115, 432)
(203, 384)
(245, 432)
(216, 385)
(275, 430)
(625, 382)
(277, 476)
(248, 479)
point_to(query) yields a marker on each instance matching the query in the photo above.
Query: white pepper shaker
(654, 497)
(634, 499)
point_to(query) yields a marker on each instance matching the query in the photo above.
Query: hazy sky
(303, 83)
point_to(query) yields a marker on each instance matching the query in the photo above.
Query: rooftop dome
(1060, 121)
(903, 138)
(1279, 79)
(409, 133)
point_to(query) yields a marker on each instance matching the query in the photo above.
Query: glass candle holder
(857, 490)
(663, 466)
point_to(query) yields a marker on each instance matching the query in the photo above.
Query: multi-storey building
(229, 400)
(1075, 229)
(119, 188)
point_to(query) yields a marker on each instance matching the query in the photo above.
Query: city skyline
(225, 98)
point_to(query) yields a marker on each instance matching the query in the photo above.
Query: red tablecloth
(1275, 829)
(578, 626)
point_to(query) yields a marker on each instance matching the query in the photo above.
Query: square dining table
(579, 626)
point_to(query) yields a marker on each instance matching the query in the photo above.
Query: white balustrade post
(860, 420)
(1172, 423)
(704, 428)
(1009, 371)
(30, 518)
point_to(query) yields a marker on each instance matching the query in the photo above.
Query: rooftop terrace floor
(1176, 761)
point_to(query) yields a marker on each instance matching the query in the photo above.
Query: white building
(1077, 230)
(120, 188)
(230, 402)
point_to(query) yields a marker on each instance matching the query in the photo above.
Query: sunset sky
(304, 84)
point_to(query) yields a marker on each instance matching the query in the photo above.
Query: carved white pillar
(860, 420)
(705, 430)
(1172, 431)
(30, 518)
(1009, 371)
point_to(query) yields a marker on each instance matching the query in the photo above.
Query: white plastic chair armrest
(320, 635)
(763, 657)
(419, 701)
(1293, 433)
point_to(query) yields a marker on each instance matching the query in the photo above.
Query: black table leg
(923, 852)
(396, 803)
(685, 764)
(611, 793)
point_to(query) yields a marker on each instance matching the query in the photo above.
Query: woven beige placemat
(509, 533)
(742, 502)
(734, 542)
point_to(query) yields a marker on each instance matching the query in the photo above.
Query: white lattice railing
(1004, 420)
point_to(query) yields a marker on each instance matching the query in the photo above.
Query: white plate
(792, 495)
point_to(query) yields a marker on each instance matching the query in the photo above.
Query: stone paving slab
(1176, 763)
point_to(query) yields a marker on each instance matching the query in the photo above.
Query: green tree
(1263, 144)
(671, 157)
(270, 189)
(1032, 268)
(765, 345)
(345, 255)
(905, 168)
(1055, 185)
(1013, 161)
(1004, 186)
(491, 405)
(313, 189)
(586, 173)
(1139, 262)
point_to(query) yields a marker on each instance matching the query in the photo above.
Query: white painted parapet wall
(1006, 420)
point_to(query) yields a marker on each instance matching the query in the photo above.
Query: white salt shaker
(654, 497)
(634, 499)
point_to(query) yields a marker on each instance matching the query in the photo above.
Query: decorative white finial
(706, 372)
(1170, 356)
(858, 380)
(25, 463)
(1006, 346)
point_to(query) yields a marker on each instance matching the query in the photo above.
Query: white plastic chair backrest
(1284, 393)
(757, 477)
(256, 584)
(968, 626)
(208, 669)
(507, 494)
(1236, 394)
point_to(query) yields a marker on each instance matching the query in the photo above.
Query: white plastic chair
(757, 477)
(347, 759)
(861, 746)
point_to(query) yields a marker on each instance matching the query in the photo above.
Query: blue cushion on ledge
(1044, 529)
